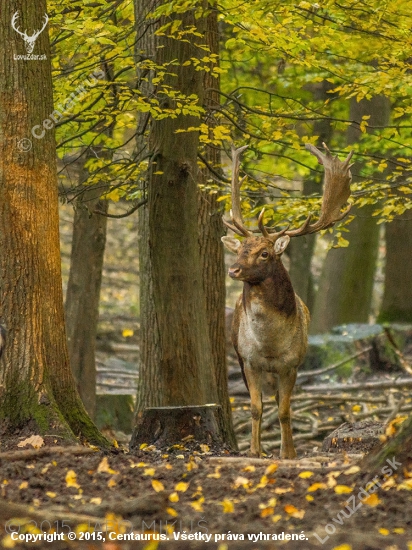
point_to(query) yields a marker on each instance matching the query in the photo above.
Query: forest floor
(192, 497)
(226, 501)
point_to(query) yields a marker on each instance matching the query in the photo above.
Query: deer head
(257, 251)
(29, 41)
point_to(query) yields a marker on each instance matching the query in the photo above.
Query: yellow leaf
(309, 498)
(399, 530)
(197, 504)
(23, 485)
(111, 483)
(8, 542)
(216, 475)
(157, 485)
(249, 468)
(306, 474)
(342, 547)
(282, 490)
(342, 489)
(50, 494)
(204, 448)
(293, 511)
(316, 487)
(372, 500)
(271, 469)
(149, 472)
(352, 470)
(228, 507)
(35, 441)
(174, 497)
(383, 531)
(152, 545)
(356, 408)
(268, 511)
(104, 467)
(182, 487)
(171, 512)
(127, 332)
(241, 481)
(96, 500)
(276, 518)
(71, 479)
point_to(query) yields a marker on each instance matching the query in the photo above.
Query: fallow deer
(270, 322)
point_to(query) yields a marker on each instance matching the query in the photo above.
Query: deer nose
(234, 272)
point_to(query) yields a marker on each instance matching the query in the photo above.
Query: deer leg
(286, 385)
(254, 382)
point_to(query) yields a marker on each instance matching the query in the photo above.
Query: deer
(29, 41)
(270, 322)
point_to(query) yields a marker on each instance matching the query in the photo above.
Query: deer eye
(264, 254)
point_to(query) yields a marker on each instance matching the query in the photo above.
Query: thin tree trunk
(346, 284)
(83, 291)
(37, 386)
(211, 250)
(301, 250)
(397, 297)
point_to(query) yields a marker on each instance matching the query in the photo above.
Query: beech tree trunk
(83, 291)
(346, 284)
(301, 249)
(179, 366)
(37, 387)
(397, 297)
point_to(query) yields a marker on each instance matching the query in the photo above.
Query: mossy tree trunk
(346, 283)
(37, 387)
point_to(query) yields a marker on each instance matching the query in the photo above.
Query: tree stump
(166, 426)
(354, 437)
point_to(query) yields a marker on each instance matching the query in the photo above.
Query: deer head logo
(29, 41)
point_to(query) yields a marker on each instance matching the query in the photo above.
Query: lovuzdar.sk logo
(29, 40)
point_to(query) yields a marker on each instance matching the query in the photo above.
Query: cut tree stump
(166, 426)
(354, 436)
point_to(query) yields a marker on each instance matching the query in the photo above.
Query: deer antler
(13, 24)
(336, 193)
(29, 40)
(237, 225)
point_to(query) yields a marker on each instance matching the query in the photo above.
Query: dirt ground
(192, 491)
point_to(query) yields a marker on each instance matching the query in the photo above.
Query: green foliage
(274, 57)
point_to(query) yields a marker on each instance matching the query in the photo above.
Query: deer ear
(281, 244)
(231, 244)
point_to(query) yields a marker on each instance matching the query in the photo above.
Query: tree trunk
(301, 249)
(397, 297)
(346, 284)
(83, 291)
(211, 251)
(37, 387)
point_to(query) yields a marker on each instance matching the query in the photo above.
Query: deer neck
(274, 293)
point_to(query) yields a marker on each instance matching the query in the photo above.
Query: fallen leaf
(174, 497)
(111, 483)
(399, 530)
(96, 500)
(35, 441)
(71, 479)
(342, 547)
(371, 500)
(268, 511)
(407, 484)
(241, 481)
(182, 487)
(342, 489)
(24, 485)
(149, 472)
(282, 490)
(249, 468)
(276, 518)
(352, 470)
(228, 507)
(50, 494)
(8, 542)
(127, 332)
(197, 504)
(171, 512)
(317, 486)
(104, 467)
(356, 408)
(157, 485)
(384, 531)
(305, 475)
(309, 498)
(204, 448)
(271, 469)
(293, 511)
